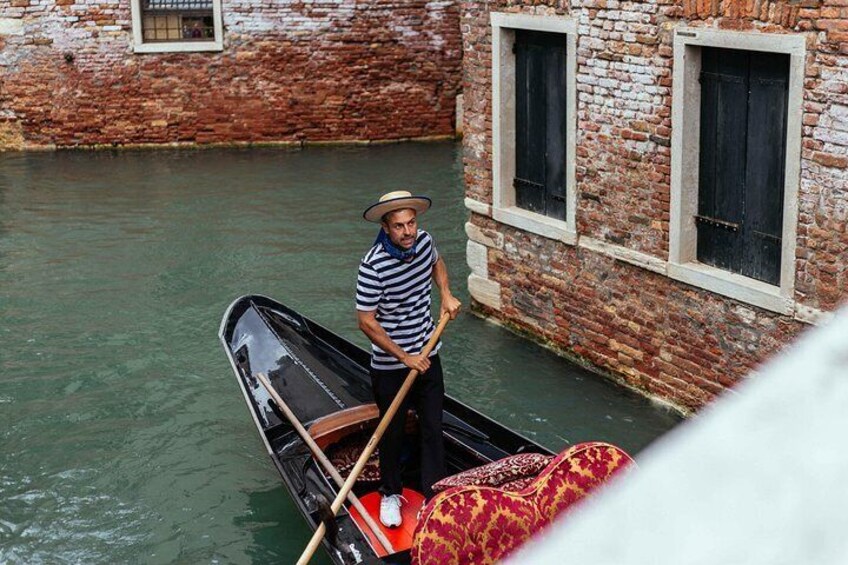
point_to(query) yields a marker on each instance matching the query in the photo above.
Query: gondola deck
(400, 537)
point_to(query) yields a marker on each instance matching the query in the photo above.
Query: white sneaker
(390, 510)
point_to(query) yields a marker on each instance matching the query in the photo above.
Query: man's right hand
(417, 362)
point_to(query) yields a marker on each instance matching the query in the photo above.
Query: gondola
(324, 380)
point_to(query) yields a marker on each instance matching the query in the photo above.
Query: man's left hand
(450, 306)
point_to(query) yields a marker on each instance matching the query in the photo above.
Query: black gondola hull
(318, 373)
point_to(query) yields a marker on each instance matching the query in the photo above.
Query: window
(539, 180)
(177, 20)
(177, 25)
(533, 123)
(741, 166)
(736, 146)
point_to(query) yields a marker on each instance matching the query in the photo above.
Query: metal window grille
(178, 5)
(177, 20)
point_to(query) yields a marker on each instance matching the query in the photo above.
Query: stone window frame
(504, 209)
(686, 102)
(140, 46)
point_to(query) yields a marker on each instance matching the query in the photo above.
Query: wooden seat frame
(331, 428)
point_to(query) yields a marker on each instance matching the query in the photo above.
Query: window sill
(734, 286)
(179, 47)
(535, 223)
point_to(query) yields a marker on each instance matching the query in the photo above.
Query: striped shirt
(400, 293)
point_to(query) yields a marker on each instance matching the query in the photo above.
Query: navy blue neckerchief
(393, 250)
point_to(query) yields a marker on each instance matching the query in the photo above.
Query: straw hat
(397, 200)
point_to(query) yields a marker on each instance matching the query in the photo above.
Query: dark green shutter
(540, 115)
(742, 159)
(766, 171)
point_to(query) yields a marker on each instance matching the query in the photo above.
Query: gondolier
(393, 298)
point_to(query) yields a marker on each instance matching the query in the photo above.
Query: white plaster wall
(11, 26)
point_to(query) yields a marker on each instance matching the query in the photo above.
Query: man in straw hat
(393, 305)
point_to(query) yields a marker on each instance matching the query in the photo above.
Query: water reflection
(264, 518)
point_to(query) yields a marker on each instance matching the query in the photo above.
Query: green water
(124, 435)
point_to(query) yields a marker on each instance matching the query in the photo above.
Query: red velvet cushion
(497, 472)
(517, 484)
(344, 454)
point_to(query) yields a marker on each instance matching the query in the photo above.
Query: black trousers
(427, 396)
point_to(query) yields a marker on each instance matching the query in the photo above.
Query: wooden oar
(325, 462)
(372, 444)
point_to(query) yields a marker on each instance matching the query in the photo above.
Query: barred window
(177, 20)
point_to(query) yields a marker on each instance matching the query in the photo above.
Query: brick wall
(673, 340)
(668, 339)
(289, 71)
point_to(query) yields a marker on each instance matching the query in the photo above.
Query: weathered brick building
(79, 72)
(659, 187)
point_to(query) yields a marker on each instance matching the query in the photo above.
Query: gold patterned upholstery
(478, 524)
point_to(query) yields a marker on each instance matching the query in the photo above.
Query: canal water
(124, 436)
